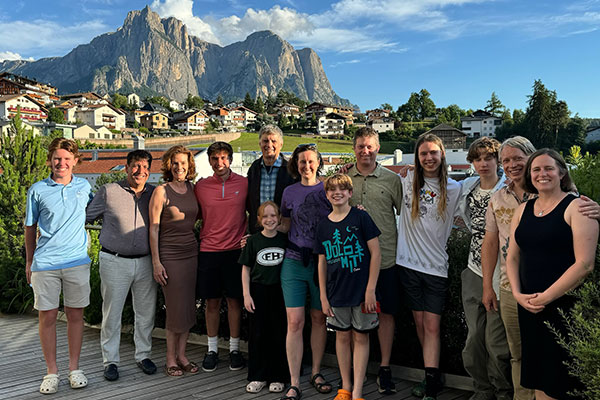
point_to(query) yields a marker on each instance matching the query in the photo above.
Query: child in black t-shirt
(263, 299)
(349, 261)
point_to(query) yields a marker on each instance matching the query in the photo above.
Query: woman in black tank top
(552, 248)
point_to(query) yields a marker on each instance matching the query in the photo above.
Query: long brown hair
(419, 178)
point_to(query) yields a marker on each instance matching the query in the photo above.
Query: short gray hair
(520, 143)
(270, 130)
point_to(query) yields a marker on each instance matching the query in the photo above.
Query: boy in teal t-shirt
(349, 261)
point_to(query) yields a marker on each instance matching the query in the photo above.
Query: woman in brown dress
(173, 213)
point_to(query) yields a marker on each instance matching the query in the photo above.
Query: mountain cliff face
(148, 52)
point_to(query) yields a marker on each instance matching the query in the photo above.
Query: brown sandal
(191, 368)
(174, 371)
(322, 387)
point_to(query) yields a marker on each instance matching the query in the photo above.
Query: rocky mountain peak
(150, 55)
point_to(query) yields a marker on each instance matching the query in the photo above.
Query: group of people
(352, 248)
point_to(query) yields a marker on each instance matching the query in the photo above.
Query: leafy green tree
(194, 102)
(418, 107)
(387, 106)
(284, 122)
(119, 101)
(56, 115)
(103, 179)
(219, 101)
(214, 124)
(23, 162)
(302, 121)
(451, 115)
(572, 135)
(160, 100)
(249, 103)
(494, 105)
(426, 105)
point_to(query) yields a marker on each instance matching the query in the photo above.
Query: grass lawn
(249, 141)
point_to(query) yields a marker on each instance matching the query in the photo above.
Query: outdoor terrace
(22, 366)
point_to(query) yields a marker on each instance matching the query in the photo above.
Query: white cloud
(9, 55)
(341, 41)
(337, 64)
(285, 22)
(182, 10)
(47, 38)
(301, 29)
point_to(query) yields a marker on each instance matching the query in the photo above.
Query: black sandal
(298, 395)
(320, 385)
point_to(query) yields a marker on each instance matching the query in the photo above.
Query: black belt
(114, 253)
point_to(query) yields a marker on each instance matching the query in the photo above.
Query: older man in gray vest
(125, 262)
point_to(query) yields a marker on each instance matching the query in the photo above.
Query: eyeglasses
(307, 146)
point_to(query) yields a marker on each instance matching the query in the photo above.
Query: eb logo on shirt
(270, 256)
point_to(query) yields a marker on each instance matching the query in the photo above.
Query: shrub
(23, 162)
(583, 320)
(582, 341)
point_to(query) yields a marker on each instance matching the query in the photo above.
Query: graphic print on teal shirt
(344, 245)
(348, 253)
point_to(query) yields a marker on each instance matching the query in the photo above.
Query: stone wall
(166, 142)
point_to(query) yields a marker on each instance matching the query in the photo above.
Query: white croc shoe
(77, 379)
(49, 384)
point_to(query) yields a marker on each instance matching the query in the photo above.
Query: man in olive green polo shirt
(379, 191)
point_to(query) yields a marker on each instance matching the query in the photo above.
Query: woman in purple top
(303, 205)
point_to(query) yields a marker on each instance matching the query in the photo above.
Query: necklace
(541, 212)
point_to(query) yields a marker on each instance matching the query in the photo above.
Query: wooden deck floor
(22, 367)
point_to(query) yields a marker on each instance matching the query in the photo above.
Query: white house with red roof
(31, 109)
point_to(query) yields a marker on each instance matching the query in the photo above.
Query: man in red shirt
(222, 199)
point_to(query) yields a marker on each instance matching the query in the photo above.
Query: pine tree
(23, 162)
(260, 105)
(494, 105)
(249, 103)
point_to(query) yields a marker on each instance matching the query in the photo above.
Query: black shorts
(219, 274)
(389, 290)
(424, 292)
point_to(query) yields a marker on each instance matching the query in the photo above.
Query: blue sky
(373, 51)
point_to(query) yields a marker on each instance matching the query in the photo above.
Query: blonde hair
(419, 178)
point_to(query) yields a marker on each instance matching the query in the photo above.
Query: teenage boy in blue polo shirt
(58, 258)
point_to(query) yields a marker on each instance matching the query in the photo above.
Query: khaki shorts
(75, 283)
(346, 318)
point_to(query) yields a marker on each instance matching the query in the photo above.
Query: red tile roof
(108, 160)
